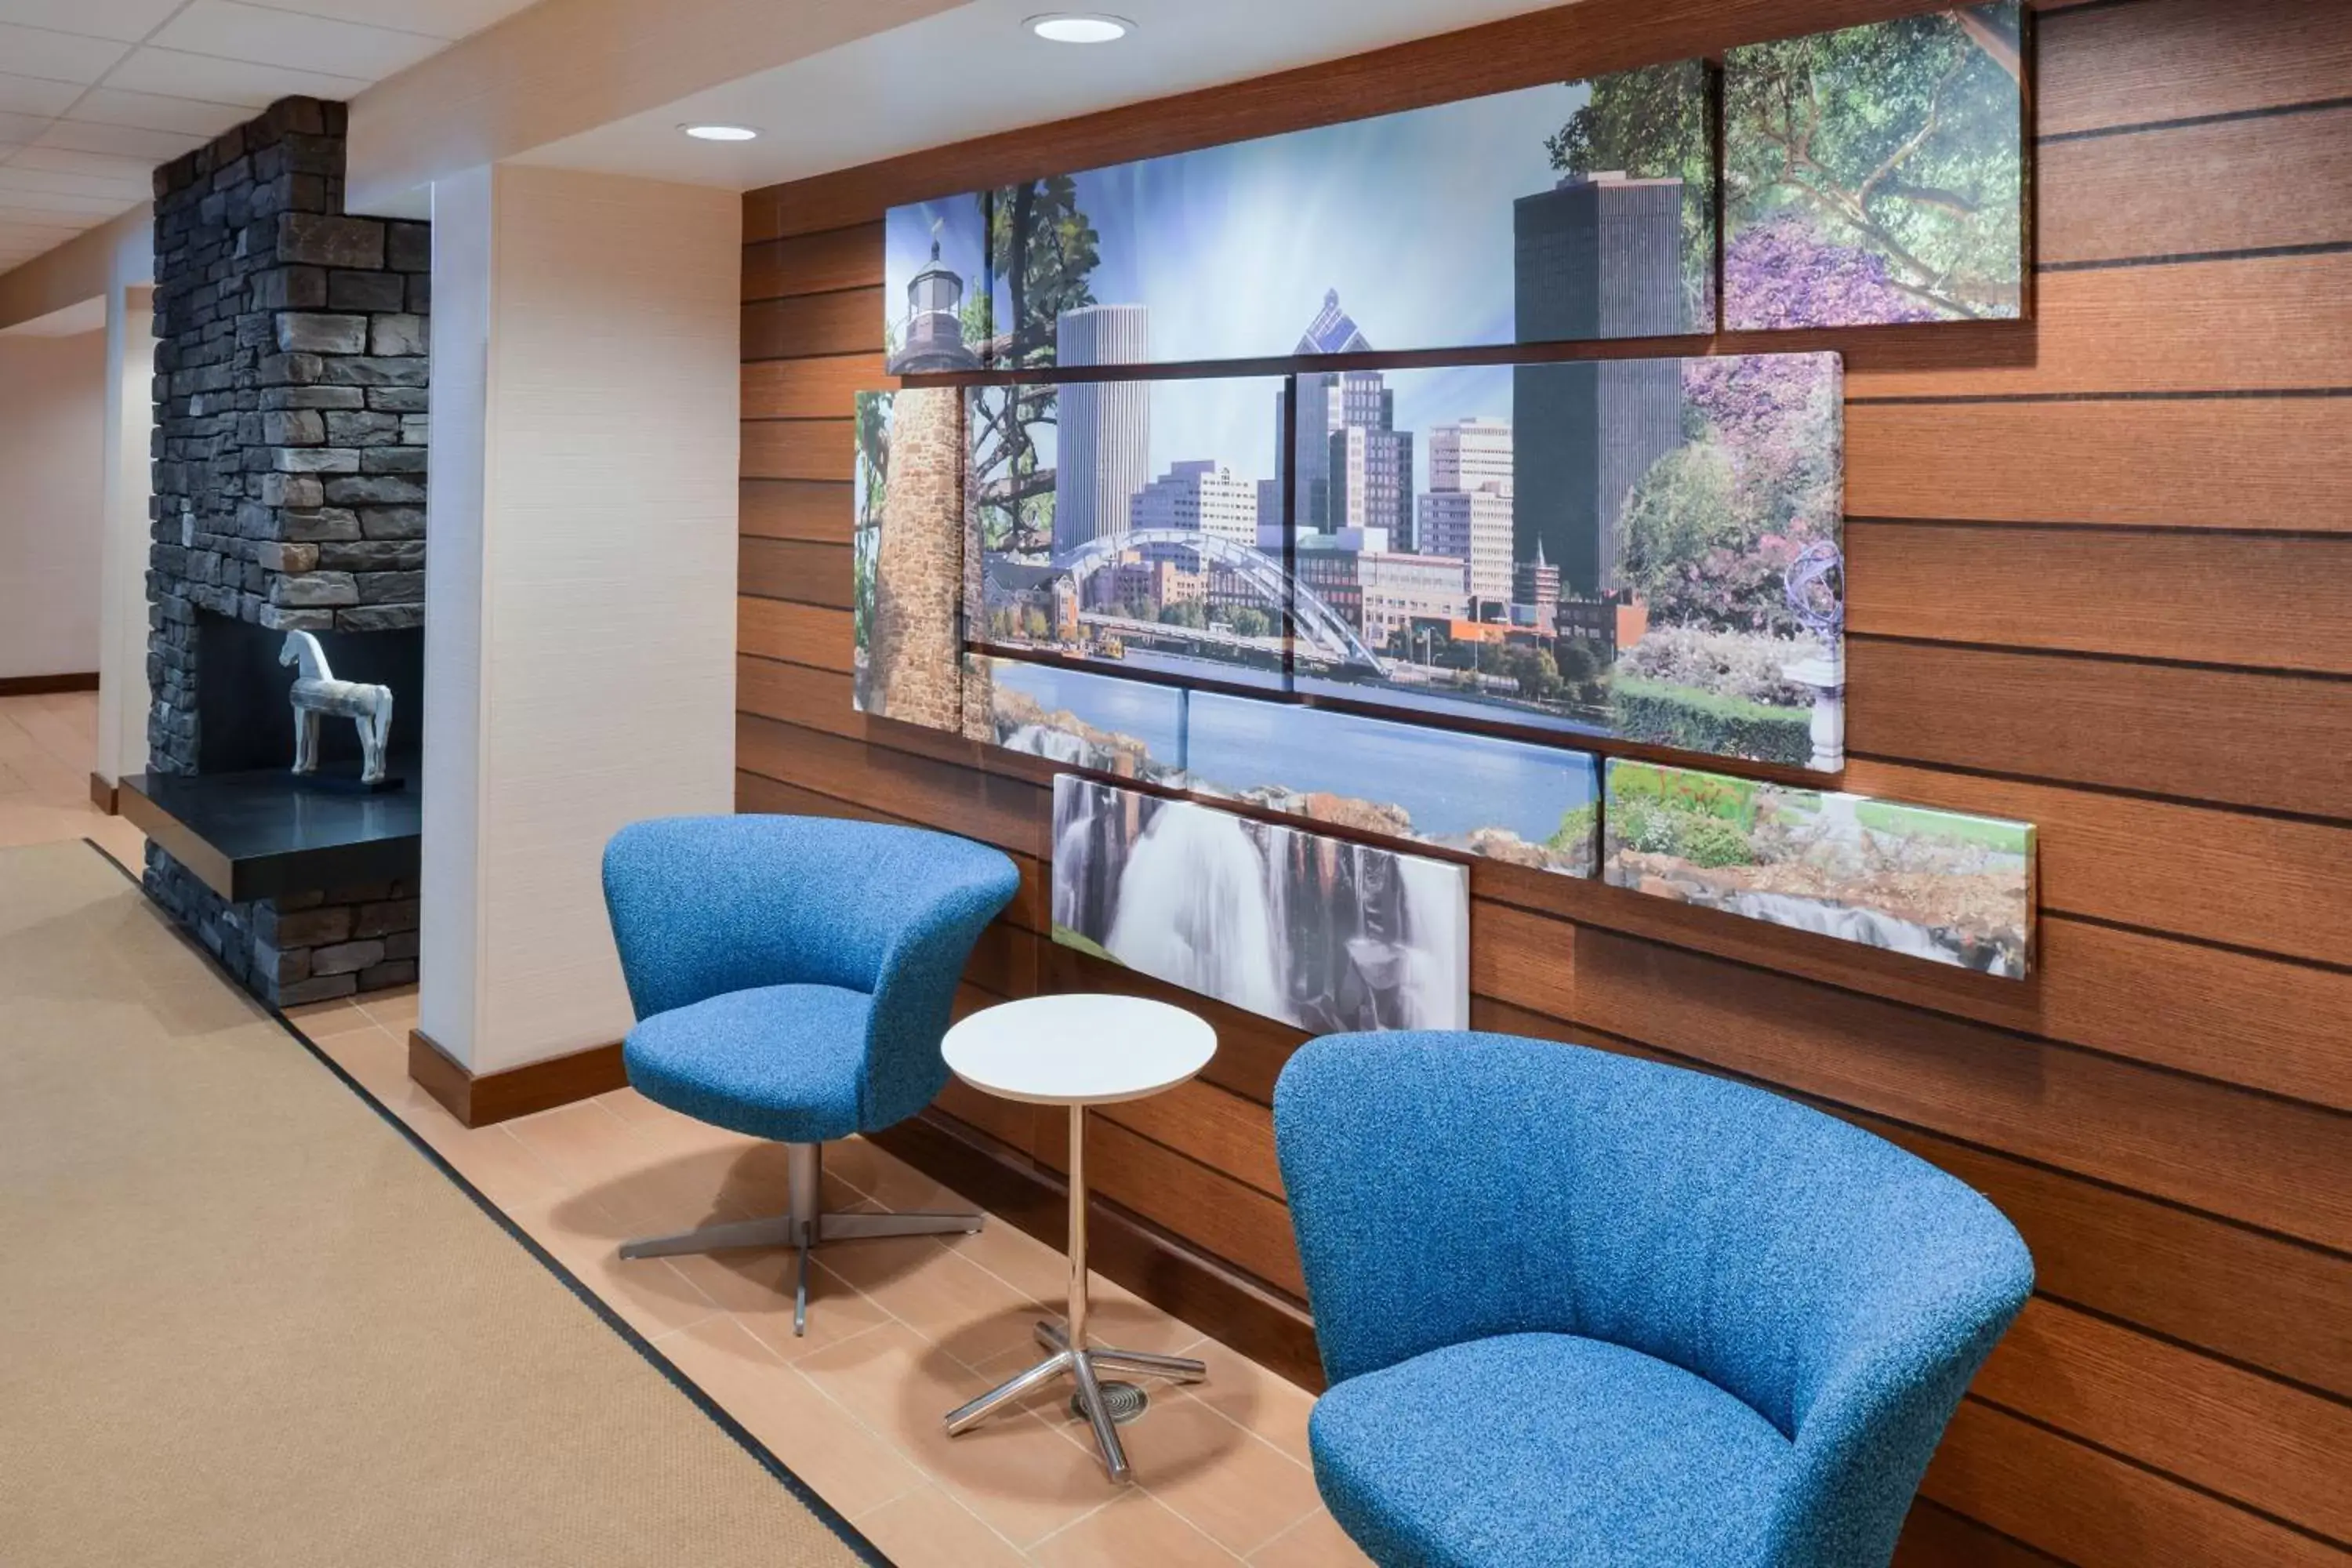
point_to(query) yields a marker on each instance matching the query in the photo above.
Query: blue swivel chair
(1578, 1309)
(792, 977)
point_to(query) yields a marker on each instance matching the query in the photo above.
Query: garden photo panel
(1878, 174)
(1937, 885)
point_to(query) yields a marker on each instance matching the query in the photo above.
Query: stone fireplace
(289, 495)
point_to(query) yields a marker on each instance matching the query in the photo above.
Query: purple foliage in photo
(1784, 272)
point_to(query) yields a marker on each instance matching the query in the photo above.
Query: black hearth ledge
(260, 835)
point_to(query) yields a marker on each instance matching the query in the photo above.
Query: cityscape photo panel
(1569, 211)
(1877, 175)
(1319, 932)
(1937, 885)
(1134, 525)
(908, 551)
(1644, 549)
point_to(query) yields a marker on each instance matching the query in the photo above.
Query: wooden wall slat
(2239, 463)
(818, 388)
(1214, 1126)
(2180, 59)
(2249, 1437)
(774, 629)
(849, 256)
(821, 510)
(2191, 190)
(2269, 741)
(800, 448)
(1936, 1537)
(2206, 326)
(2270, 602)
(1001, 811)
(2265, 1161)
(1234, 1220)
(2259, 882)
(844, 321)
(795, 569)
(2095, 1510)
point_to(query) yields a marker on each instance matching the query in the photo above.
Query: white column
(123, 694)
(579, 581)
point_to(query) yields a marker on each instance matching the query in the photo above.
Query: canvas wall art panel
(1506, 800)
(1937, 885)
(907, 552)
(1571, 210)
(1648, 549)
(1128, 728)
(1135, 524)
(1318, 932)
(1878, 174)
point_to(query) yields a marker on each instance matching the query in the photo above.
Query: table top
(1083, 1049)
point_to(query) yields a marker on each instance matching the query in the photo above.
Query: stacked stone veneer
(290, 379)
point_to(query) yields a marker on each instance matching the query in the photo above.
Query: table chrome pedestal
(1072, 1355)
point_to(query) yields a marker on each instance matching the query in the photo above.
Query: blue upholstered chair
(1578, 1309)
(792, 977)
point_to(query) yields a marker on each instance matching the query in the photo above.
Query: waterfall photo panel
(1572, 210)
(1937, 885)
(1877, 175)
(1318, 932)
(907, 557)
(1505, 800)
(1133, 524)
(1648, 549)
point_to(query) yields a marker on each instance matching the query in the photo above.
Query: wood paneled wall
(2101, 579)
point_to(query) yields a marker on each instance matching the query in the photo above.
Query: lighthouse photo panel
(1567, 211)
(1319, 932)
(907, 557)
(1133, 525)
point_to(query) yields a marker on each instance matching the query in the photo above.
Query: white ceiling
(95, 93)
(975, 69)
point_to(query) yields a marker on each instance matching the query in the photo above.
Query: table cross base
(1081, 1365)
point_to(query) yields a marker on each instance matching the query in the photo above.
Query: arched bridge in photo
(1311, 618)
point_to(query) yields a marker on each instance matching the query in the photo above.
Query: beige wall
(581, 582)
(52, 429)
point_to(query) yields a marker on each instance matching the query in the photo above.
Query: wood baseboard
(43, 685)
(477, 1101)
(1211, 1296)
(107, 797)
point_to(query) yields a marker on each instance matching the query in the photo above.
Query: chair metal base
(1082, 1365)
(805, 1228)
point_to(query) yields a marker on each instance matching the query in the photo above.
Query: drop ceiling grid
(95, 93)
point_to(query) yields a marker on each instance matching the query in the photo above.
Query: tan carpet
(243, 1320)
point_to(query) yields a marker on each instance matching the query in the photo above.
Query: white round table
(1078, 1050)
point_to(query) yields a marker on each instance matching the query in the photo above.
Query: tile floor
(899, 1330)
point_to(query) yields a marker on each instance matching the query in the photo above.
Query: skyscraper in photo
(1322, 409)
(1597, 256)
(1200, 496)
(1103, 434)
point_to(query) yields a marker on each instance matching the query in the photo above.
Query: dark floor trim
(43, 685)
(480, 1100)
(107, 797)
(802, 1493)
(1219, 1300)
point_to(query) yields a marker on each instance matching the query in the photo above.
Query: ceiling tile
(35, 95)
(145, 112)
(98, 166)
(441, 18)
(123, 140)
(60, 208)
(16, 176)
(16, 128)
(127, 20)
(230, 30)
(173, 74)
(31, 222)
(60, 57)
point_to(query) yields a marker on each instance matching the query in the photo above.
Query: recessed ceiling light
(1078, 28)
(719, 132)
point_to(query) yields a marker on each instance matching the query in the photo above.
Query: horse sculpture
(316, 691)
